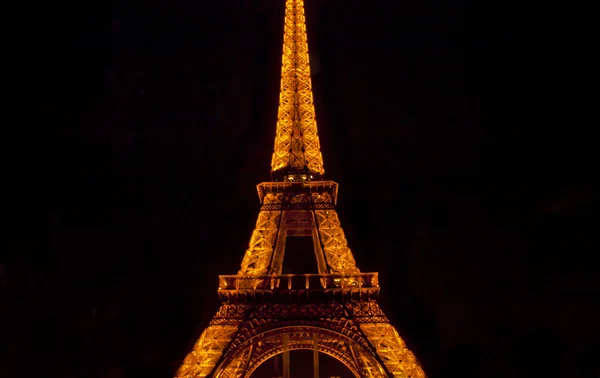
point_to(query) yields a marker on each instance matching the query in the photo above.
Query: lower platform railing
(299, 282)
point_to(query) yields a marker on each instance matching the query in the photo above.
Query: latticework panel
(366, 312)
(390, 347)
(237, 367)
(209, 348)
(296, 138)
(262, 242)
(207, 351)
(335, 246)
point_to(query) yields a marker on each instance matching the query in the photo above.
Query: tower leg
(335, 246)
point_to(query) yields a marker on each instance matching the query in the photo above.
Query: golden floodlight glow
(296, 138)
(264, 312)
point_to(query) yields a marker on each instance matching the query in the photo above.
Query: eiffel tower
(263, 312)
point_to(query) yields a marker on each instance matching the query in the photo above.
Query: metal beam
(286, 356)
(315, 356)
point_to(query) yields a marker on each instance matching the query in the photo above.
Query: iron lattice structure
(296, 138)
(264, 312)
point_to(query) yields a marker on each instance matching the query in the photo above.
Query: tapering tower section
(297, 202)
(297, 146)
(264, 312)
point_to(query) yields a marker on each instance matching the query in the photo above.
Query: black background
(141, 128)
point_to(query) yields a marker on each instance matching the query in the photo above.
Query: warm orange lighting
(296, 138)
(263, 311)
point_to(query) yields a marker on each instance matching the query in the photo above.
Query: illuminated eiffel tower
(264, 312)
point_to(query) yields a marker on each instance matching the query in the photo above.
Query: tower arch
(251, 353)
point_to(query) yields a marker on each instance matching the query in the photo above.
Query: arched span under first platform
(250, 354)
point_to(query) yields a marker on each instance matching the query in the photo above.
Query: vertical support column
(321, 263)
(286, 356)
(315, 356)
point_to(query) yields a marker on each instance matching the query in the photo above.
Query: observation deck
(285, 288)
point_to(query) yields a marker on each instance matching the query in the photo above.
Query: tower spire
(297, 149)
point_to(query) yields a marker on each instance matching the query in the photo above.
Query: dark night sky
(453, 128)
